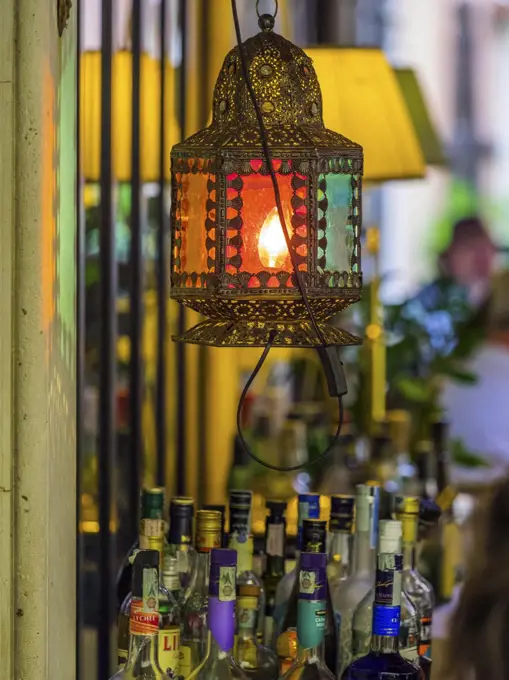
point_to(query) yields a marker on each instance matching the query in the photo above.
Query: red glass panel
(263, 244)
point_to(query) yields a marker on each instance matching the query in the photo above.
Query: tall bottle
(275, 541)
(143, 657)
(151, 507)
(348, 593)
(314, 541)
(256, 660)
(222, 510)
(179, 548)
(363, 616)
(152, 537)
(310, 663)
(308, 508)
(341, 525)
(241, 540)
(194, 633)
(383, 659)
(415, 586)
(218, 663)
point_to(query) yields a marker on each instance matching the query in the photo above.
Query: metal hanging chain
(258, 9)
(298, 276)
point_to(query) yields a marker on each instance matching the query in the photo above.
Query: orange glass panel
(193, 216)
(263, 244)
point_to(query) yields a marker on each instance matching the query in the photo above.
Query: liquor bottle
(151, 507)
(341, 523)
(275, 540)
(363, 616)
(143, 657)
(241, 540)
(222, 510)
(383, 659)
(218, 663)
(256, 660)
(152, 538)
(314, 541)
(308, 508)
(310, 663)
(347, 594)
(194, 615)
(179, 548)
(415, 586)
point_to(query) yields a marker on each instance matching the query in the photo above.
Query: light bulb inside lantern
(272, 247)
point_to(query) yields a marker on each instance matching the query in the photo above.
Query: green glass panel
(339, 230)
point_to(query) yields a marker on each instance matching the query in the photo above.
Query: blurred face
(471, 261)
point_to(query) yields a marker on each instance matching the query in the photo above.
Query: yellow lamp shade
(121, 113)
(362, 98)
(424, 126)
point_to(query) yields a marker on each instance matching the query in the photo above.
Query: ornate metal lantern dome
(229, 258)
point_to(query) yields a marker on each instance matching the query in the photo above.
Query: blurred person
(477, 413)
(477, 648)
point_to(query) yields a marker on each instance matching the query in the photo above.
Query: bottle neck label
(181, 531)
(275, 543)
(309, 509)
(387, 607)
(152, 534)
(243, 544)
(221, 613)
(311, 608)
(206, 540)
(247, 608)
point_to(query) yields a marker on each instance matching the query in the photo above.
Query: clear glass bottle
(408, 627)
(218, 663)
(256, 660)
(240, 539)
(314, 540)
(151, 507)
(275, 541)
(194, 616)
(308, 508)
(179, 547)
(347, 594)
(383, 659)
(143, 657)
(152, 538)
(341, 523)
(311, 620)
(415, 586)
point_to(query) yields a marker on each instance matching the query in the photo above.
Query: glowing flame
(271, 242)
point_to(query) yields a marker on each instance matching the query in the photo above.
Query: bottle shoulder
(418, 590)
(389, 666)
(285, 587)
(351, 593)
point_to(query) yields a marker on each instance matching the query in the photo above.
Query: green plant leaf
(417, 390)
(460, 455)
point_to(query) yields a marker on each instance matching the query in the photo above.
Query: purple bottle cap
(313, 561)
(223, 557)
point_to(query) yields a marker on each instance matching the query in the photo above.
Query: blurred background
(436, 234)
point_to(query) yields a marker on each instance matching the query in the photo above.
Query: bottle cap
(391, 531)
(276, 508)
(223, 557)
(311, 498)
(241, 498)
(342, 512)
(144, 559)
(309, 561)
(152, 503)
(407, 505)
(208, 521)
(182, 502)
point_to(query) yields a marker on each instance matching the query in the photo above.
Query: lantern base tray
(243, 333)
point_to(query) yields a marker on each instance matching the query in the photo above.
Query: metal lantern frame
(246, 308)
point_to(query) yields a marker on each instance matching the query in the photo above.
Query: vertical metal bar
(181, 347)
(162, 272)
(107, 434)
(80, 350)
(136, 292)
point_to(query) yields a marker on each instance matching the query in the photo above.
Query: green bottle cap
(152, 503)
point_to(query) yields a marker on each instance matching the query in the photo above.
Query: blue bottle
(384, 660)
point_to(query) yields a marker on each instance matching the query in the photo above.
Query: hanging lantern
(229, 258)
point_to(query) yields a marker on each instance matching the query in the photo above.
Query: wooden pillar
(37, 341)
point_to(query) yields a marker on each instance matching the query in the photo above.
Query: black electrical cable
(331, 363)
